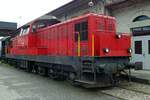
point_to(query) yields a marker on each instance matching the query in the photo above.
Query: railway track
(119, 98)
(129, 92)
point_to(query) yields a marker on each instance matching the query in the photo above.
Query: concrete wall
(126, 15)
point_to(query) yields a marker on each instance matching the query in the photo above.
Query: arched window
(141, 18)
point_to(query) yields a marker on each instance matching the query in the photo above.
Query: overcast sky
(23, 11)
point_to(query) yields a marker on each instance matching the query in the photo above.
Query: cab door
(81, 38)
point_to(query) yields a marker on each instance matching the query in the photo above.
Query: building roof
(6, 28)
(69, 6)
(8, 25)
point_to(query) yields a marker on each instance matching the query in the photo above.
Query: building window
(137, 31)
(146, 28)
(138, 47)
(149, 46)
(81, 28)
(141, 18)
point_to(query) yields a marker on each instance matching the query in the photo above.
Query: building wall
(126, 15)
(97, 8)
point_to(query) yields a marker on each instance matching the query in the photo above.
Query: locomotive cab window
(82, 30)
(24, 30)
(39, 24)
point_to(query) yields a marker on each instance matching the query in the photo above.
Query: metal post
(129, 74)
(79, 44)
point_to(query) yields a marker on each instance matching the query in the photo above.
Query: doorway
(141, 51)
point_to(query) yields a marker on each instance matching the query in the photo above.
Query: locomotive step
(87, 71)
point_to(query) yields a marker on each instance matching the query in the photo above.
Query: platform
(141, 76)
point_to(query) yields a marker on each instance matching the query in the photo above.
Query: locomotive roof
(82, 17)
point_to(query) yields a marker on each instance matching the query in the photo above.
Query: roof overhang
(8, 26)
(69, 7)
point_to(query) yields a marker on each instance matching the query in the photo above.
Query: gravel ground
(127, 94)
(137, 87)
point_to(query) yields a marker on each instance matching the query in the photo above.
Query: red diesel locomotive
(85, 50)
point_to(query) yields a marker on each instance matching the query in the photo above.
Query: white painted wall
(126, 15)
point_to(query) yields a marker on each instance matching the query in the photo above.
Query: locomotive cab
(25, 43)
(43, 23)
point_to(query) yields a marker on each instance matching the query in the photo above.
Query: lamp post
(91, 3)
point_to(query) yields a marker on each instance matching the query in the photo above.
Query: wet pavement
(16, 84)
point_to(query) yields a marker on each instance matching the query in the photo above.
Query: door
(141, 51)
(146, 53)
(81, 38)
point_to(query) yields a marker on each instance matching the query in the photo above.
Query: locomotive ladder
(87, 67)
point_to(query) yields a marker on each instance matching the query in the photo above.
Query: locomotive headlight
(129, 50)
(119, 36)
(106, 50)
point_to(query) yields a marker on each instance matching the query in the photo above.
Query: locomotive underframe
(88, 71)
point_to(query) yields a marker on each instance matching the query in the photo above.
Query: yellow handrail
(93, 42)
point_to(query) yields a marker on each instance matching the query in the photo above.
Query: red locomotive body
(84, 49)
(62, 39)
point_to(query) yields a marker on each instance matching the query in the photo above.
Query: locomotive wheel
(35, 69)
(29, 69)
(71, 79)
(55, 76)
(52, 74)
(42, 71)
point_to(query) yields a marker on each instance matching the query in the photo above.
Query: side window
(149, 46)
(24, 30)
(41, 25)
(138, 47)
(81, 28)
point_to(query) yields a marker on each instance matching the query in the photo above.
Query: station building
(133, 17)
(6, 28)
